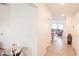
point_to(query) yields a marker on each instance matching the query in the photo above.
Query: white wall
(76, 33)
(58, 19)
(23, 29)
(4, 22)
(44, 19)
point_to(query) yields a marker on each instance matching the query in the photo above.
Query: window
(60, 26)
(54, 26)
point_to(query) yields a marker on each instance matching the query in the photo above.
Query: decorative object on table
(14, 49)
(69, 39)
(18, 54)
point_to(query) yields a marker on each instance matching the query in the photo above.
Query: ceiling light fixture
(62, 3)
(62, 15)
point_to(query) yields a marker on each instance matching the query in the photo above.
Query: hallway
(33, 26)
(59, 48)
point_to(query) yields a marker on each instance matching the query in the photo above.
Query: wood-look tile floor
(59, 48)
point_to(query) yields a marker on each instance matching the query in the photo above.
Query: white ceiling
(68, 9)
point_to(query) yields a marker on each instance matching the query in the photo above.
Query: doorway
(57, 27)
(57, 30)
